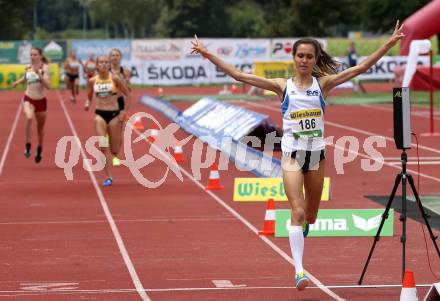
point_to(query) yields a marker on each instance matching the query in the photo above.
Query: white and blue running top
(303, 118)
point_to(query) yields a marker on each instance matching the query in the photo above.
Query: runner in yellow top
(108, 117)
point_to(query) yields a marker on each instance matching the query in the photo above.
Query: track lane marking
(357, 130)
(122, 249)
(190, 289)
(366, 156)
(11, 135)
(246, 223)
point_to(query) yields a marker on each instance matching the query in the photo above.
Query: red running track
(72, 240)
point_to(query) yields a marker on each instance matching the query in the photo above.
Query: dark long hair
(325, 64)
(44, 59)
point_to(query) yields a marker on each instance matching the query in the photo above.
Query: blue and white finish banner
(246, 157)
(216, 119)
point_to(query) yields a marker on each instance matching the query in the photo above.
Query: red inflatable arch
(423, 24)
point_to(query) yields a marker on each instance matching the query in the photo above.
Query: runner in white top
(303, 117)
(302, 99)
(37, 79)
(71, 75)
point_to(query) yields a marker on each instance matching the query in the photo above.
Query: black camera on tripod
(402, 118)
(402, 138)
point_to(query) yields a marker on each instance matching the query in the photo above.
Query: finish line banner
(262, 189)
(340, 222)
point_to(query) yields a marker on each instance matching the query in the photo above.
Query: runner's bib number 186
(307, 123)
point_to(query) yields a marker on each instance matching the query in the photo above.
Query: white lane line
(189, 289)
(247, 224)
(434, 150)
(128, 263)
(416, 163)
(160, 220)
(365, 156)
(423, 114)
(412, 159)
(11, 135)
(345, 127)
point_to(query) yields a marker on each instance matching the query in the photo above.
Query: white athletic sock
(296, 240)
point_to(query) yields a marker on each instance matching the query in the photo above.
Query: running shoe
(107, 182)
(38, 154)
(306, 227)
(116, 161)
(302, 281)
(27, 150)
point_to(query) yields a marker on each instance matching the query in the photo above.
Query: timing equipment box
(402, 118)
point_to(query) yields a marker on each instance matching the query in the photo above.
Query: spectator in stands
(302, 100)
(37, 79)
(352, 58)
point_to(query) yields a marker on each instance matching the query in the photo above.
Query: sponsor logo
(366, 224)
(225, 51)
(282, 47)
(326, 224)
(312, 93)
(340, 222)
(305, 114)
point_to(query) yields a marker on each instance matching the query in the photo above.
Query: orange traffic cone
(137, 123)
(214, 179)
(409, 291)
(178, 154)
(269, 219)
(153, 134)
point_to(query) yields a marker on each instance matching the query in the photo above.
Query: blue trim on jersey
(285, 103)
(321, 98)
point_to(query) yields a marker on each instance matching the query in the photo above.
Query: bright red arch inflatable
(423, 24)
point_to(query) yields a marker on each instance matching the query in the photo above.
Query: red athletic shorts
(39, 104)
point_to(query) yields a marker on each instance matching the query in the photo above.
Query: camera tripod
(401, 177)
